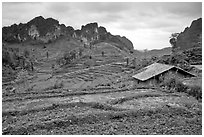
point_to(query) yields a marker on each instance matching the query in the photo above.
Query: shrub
(169, 83)
(5, 57)
(58, 85)
(175, 85)
(80, 52)
(9, 58)
(26, 53)
(180, 87)
(69, 57)
(55, 105)
(22, 78)
(108, 84)
(195, 91)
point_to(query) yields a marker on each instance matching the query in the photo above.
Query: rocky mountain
(191, 36)
(48, 30)
(92, 34)
(38, 29)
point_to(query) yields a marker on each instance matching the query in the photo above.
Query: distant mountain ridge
(48, 30)
(153, 53)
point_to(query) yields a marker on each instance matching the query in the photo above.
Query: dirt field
(96, 100)
(121, 112)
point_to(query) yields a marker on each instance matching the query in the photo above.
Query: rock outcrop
(39, 29)
(191, 37)
(92, 34)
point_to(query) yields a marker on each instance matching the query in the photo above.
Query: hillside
(191, 36)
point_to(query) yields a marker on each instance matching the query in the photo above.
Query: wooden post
(47, 54)
(32, 68)
(127, 61)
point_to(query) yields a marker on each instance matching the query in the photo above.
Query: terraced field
(92, 101)
(96, 100)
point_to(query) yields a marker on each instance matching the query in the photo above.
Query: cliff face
(48, 30)
(92, 34)
(191, 36)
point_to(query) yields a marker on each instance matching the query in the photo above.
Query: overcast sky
(147, 25)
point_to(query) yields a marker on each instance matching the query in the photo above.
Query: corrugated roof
(153, 70)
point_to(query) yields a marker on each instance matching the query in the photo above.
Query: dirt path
(98, 97)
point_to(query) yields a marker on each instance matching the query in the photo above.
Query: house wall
(147, 83)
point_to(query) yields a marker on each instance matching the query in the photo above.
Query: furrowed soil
(123, 112)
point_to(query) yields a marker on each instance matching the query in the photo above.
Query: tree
(173, 40)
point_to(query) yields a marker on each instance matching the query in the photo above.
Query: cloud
(184, 9)
(146, 24)
(102, 7)
(58, 8)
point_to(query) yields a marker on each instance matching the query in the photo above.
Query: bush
(177, 86)
(58, 85)
(174, 84)
(9, 58)
(22, 76)
(180, 87)
(80, 52)
(170, 83)
(195, 91)
(69, 57)
(26, 53)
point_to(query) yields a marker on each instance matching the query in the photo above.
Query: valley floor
(96, 100)
(105, 108)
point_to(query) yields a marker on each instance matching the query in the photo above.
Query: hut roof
(154, 70)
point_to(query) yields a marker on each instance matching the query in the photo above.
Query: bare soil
(94, 101)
